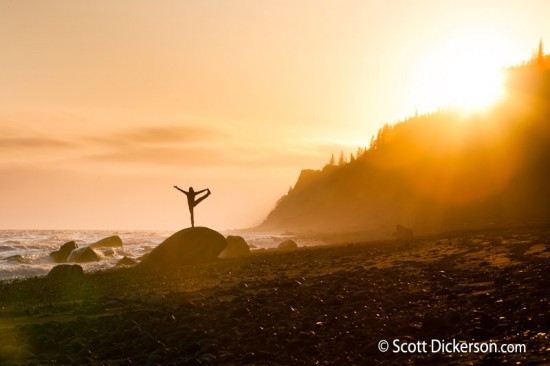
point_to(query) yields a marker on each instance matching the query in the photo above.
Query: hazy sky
(105, 105)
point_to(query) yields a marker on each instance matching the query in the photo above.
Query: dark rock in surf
(287, 245)
(61, 255)
(126, 262)
(188, 246)
(66, 272)
(236, 248)
(15, 259)
(110, 242)
(83, 255)
(108, 252)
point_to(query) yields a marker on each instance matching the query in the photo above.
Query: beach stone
(82, 255)
(188, 246)
(542, 320)
(452, 317)
(236, 247)
(433, 324)
(479, 333)
(443, 291)
(66, 271)
(487, 321)
(9, 352)
(126, 261)
(501, 281)
(287, 245)
(403, 233)
(61, 255)
(110, 242)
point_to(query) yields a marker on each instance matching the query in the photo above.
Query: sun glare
(464, 73)
(471, 86)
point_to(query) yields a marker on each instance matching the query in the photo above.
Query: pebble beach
(326, 305)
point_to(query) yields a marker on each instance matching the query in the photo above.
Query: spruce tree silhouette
(192, 202)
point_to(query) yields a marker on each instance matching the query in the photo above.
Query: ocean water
(34, 246)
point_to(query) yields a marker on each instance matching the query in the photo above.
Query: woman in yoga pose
(191, 199)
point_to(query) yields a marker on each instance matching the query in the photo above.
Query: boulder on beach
(288, 244)
(236, 247)
(403, 233)
(126, 261)
(188, 246)
(61, 255)
(83, 255)
(110, 242)
(66, 272)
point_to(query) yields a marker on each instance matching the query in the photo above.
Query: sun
(471, 86)
(466, 72)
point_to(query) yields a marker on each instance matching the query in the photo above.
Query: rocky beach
(284, 183)
(307, 306)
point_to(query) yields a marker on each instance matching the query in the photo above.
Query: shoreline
(327, 304)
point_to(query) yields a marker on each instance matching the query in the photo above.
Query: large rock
(66, 272)
(236, 247)
(61, 255)
(110, 242)
(188, 246)
(83, 255)
(287, 245)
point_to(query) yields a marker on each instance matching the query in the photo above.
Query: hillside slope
(438, 172)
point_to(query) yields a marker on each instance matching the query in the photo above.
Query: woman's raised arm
(179, 189)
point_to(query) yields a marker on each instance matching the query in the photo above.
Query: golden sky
(105, 105)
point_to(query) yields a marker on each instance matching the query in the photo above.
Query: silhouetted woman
(191, 200)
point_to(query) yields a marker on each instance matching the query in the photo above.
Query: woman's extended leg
(197, 201)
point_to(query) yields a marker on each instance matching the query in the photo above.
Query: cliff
(437, 172)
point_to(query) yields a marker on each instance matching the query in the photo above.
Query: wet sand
(313, 306)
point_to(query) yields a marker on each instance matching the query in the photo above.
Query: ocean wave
(34, 246)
